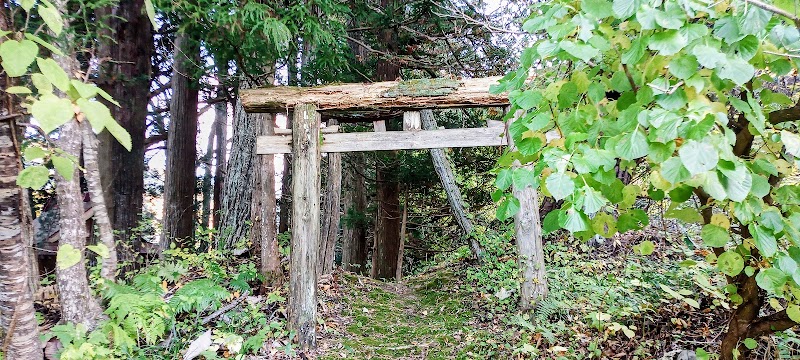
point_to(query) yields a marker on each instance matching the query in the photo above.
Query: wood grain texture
(369, 96)
(391, 140)
(305, 225)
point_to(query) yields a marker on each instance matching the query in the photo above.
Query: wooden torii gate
(373, 102)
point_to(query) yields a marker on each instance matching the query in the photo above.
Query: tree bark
(305, 227)
(126, 45)
(354, 236)
(263, 212)
(206, 186)
(108, 269)
(331, 213)
(237, 193)
(387, 224)
(286, 189)
(220, 127)
(77, 303)
(179, 183)
(528, 232)
(445, 171)
(17, 315)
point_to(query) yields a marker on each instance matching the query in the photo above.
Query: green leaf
(560, 185)
(34, 177)
(667, 42)
(575, 221)
(54, 73)
(27, 4)
(550, 222)
(33, 152)
(793, 311)
(151, 13)
(771, 279)
(737, 70)
(623, 9)
(754, 20)
(715, 236)
(528, 99)
(750, 343)
(645, 248)
(593, 200)
(737, 182)
(709, 57)
(52, 18)
(698, 157)
(100, 249)
(508, 208)
(522, 177)
(67, 256)
(51, 112)
(63, 166)
(730, 263)
(636, 51)
(504, 179)
(44, 44)
(632, 145)
(17, 56)
(792, 142)
(604, 225)
(599, 9)
(18, 90)
(580, 51)
(107, 96)
(530, 145)
(632, 220)
(683, 67)
(97, 114)
(764, 239)
(673, 171)
(43, 86)
(86, 91)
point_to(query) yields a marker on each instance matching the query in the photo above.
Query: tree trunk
(206, 186)
(220, 127)
(179, 183)
(237, 194)
(126, 45)
(387, 224)
(77, 303)
(92, 174)
(286, 190)
(354, 236)
(403, 225)
(332, 213)
(445, 171)
(264, 231)
(305, 227)
(17, 316)
(528, 232)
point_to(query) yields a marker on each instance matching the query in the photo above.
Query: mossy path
(425, 317)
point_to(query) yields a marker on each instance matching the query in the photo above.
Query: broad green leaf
(792, 142)
(67, 256)
(52, 18)
(550, 222)
(636, 51)
(51, 112)
(33, 152)
(667, 42)
(580, 51)
(560, 185)
(17, 56)
(771, 279)
(150, 10)
(523, 177)
(754, 20)
(687, 215)
(715, 236)
(673, 171)
(86, 91)
(737, 182)
(107, 96)
(709, 57)
(18, 90)
(507, 208)
(54, 73)
(764, 239)
(730, 263)
(698, 157)
(575, 221)
(97, 114)
(632, 220)
(27, 5)
(645, 248)
(100, 249)
(42, 84)
(632, 145)
(793, 311)
(604, 225)
(593, 200)
(750, 343)
(623, 9)
(504, 179)
(528, 99)
(44, 44)
(34, 177)
(737, 70)
(63, 166)
(598, 9)
(683, 67)
(530, 145)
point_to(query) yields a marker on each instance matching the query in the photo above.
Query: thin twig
(224, 309)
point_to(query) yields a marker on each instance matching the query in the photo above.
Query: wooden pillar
(305, 224)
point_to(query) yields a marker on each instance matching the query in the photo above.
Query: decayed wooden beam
(305, 225)
(326, 130)
(388, 95)
(412, 121)
(391, 140)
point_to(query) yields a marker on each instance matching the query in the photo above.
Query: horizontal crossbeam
(391, 140)
(384, 97)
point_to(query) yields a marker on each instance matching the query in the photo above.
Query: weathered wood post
(305, 224)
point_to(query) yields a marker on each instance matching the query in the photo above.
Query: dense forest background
(646, 209)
